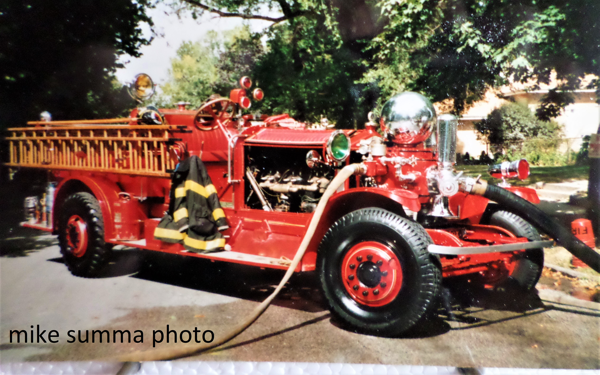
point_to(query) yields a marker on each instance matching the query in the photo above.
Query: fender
(106, 192)
(526, 193)
(347, 201)
(472, 207)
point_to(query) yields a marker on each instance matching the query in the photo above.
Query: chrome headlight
(142, 88)
(408, 118)
(338, 146)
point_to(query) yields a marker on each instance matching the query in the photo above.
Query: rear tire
(525, 271)
(376, 273)
(81, 235)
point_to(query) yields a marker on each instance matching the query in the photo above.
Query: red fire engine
(384, 240)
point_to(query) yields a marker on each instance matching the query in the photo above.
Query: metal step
(225, 256)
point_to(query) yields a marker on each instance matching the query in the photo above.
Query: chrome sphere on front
(408, 118)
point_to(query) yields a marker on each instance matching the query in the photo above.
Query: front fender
(350, 200)
(106, 192)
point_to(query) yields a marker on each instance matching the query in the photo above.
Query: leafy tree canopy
(341, 58)
(459, 48)
(212, 65)
(60, 56)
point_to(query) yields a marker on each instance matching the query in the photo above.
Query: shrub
(514, 132)
(582, 157)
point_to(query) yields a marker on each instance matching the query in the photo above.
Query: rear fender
(106, 192)
(347, 201)
(526, 193)
(474, 207)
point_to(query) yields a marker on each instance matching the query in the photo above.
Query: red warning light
(258, 94)
(246, 82)
(245, 102)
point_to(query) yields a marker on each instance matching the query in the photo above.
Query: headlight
(142, 88)
(338, 146)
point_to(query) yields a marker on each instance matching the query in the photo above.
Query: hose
(186, 350)
(540, 220)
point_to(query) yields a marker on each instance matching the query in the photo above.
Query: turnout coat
(195, 217)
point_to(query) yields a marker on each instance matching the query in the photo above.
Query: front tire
(525, 270)
(376, 273)
(81, 235)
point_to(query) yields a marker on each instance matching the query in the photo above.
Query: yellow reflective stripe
(218, 213)
(196, 188)
(204, 245)
(180, 192)
(180, 214)
(199, 189)
(210, 189)
(168, 233)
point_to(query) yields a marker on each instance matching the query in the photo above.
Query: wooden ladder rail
(135, 150)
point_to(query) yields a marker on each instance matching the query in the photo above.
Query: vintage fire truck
(384, 238)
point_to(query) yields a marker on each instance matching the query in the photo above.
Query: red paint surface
(277, 235)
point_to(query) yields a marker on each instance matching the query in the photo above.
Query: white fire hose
(190, 349)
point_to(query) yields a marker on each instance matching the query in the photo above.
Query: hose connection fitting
(475, 186)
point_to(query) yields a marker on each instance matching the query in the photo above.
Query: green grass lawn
(545, 174)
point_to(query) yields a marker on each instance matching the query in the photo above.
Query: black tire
(528, 268)
(81, 210)
(420, 272)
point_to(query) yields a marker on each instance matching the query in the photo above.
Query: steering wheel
(206, 117)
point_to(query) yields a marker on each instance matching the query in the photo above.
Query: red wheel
(376, 273)
(372, 273)
(81, 235)
(77, 236)
(497, 273)
(208, 115)
(522, 269)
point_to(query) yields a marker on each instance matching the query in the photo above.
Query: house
(578, 119)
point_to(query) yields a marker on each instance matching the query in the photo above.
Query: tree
(458, 48)
(212, 65)
(305, 74)
(192, 75)
(316, 55)
(512, 127)
(446, 49)
(61, 56)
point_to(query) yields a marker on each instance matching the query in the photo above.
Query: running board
(453, 250)
(225, 256)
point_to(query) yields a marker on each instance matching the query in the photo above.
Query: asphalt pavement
(150, 293)
(155, 293)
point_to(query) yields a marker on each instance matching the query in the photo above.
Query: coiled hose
(540, 220)
(187, 350)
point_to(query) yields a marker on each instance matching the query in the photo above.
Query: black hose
(545, 223)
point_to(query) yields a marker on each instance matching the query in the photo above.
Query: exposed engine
(280, 180)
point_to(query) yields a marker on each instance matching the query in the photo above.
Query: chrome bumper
(453, 250)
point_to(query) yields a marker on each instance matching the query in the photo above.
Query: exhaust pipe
(528, 211)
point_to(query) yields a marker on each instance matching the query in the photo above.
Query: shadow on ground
(22, 246)
(245, 282)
